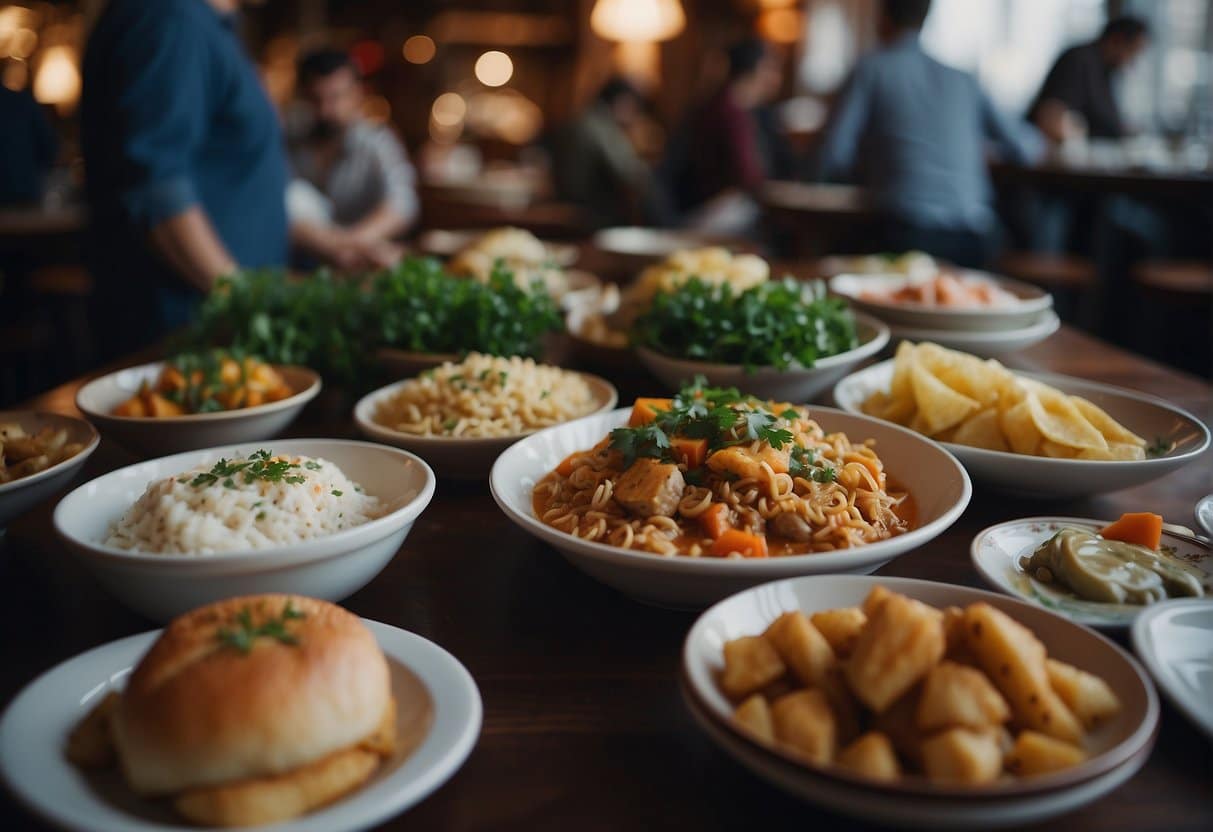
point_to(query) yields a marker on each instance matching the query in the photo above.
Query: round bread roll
(200, 710)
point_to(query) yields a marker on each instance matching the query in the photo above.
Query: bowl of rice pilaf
(461, 415)
(315, 517)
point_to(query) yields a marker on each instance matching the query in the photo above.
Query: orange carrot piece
(1141, 527)
(566, 465)
(715, 520)
(735, 540)
(693, 452)
(646, 410)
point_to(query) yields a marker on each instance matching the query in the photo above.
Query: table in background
(1165, 184)
(584, 727)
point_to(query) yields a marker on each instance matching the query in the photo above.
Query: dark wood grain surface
(584, 728)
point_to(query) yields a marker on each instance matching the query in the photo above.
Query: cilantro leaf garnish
(260, 465)
(244, 634)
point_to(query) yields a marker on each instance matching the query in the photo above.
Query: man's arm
(1014, 141)
(398, 209)
(837, 152)
(189, 243)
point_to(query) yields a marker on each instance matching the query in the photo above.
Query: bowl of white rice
(316, 517)
(461, 415)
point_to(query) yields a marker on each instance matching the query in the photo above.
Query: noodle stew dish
(724, 491)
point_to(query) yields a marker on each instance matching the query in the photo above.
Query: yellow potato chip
(966, 374)
(1116, 450)
(939, 406)
(1112, 430)
(1057, 419)
(1050, 448)
(901, 389)
(1019, 429)
(982, 430)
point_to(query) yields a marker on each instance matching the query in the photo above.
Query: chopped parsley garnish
(312, 465)
(261, 515)
(449, 425)
(644, 441)
(260, 465)
(337, 493)
(242, 636)
(1160, 447)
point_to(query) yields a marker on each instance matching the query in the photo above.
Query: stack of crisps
(955, 397)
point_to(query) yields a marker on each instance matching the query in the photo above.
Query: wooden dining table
(584, 727)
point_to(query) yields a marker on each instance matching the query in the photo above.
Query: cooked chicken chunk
(792, 526)
(743, 462)
(650, 488)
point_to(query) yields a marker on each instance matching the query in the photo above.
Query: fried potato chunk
(960, 755)
(803, 721)
(901, 642)
(957, 696)
(755, 714)
(899, 723)
(1035, 753)
(841, 627)
(872, 756)
(1088, 696)
(801, 646)
(265, 800)
(90, 744)
(1014, 659)
(750, 664)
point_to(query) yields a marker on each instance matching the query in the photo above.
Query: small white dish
(35, 726)
(996, 552)
(1173, 641)
(1031, 303)
(453, 456)
(22, 494)
(331, 567)
(1042, 477)
(1118, 748)
(987, 344)
(155, 437)
(1204, 514)
(795, 384)
(933, 477)
(440, 242)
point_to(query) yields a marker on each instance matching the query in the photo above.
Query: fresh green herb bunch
(319, 321)
(777, 324)
(419, 307)
(724, 417)
(242, 636)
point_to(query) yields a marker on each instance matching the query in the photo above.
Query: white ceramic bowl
(331, 567)
(996, 552)
(1204, 514)
(1042, 477)
(1119, 747)
(934, 478)
(457, 457)
(1172, 639)
(155, 437)
(1032, 302)
(20, 495)
(35, 726)
(987, 344)
(795, 384)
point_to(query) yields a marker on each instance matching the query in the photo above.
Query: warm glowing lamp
(638, 26)
(57, 80)
(494, 68)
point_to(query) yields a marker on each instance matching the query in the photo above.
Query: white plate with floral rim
(997, 552)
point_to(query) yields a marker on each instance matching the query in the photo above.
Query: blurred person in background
(595, 165)
(1077, 95)
(354, 191)
(915, 133)
(28, 147)
(184, 163)
(718, 159)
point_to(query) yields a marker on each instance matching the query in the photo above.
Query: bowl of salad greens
(785, 340)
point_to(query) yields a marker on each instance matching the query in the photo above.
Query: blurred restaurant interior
(568, 117)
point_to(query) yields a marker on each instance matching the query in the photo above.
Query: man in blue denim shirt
(184, 162)
(915, 132)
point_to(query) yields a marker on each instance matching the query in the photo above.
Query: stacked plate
(1023, 319)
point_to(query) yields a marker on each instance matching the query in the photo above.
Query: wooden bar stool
(1071, 279)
